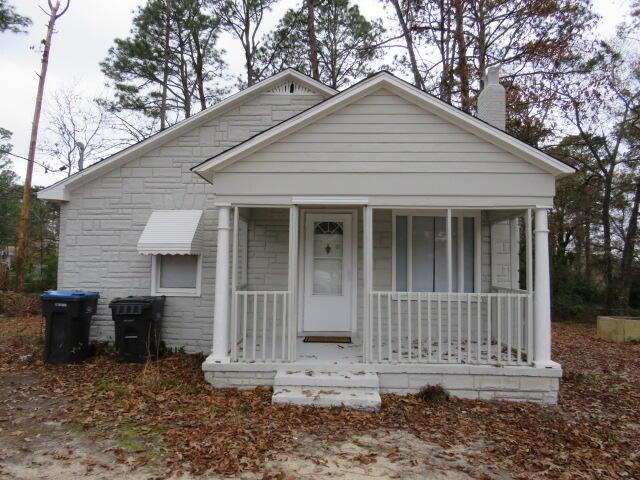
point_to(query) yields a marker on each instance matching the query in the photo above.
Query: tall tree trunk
(606, 234)
(313, 41)
(587, 250)
(408, 38)
(165, 72)
(463, 69)
(23, 225)
(482, 39)
(248, 54)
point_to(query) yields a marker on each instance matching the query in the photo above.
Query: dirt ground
(103, 420)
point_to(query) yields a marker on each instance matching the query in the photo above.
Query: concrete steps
(327, 388)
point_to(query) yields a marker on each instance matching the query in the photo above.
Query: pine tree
(169, 63)
(347, 43)
(10, 20)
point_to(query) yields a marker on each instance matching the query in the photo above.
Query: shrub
(435, 394)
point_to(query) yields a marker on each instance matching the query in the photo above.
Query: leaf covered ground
(164, 416)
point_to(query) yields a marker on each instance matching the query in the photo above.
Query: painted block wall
(101, 224)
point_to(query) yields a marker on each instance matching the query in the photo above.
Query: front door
(328, 272)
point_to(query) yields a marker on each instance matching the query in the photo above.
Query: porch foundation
(483, 382)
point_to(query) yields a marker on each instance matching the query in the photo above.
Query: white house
(332, 244)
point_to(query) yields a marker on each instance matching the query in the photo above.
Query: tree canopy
(10, 20)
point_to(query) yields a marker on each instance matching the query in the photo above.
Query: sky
(85, 33)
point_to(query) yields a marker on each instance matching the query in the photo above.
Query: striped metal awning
(172, 232)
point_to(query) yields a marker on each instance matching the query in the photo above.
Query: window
(420, 253)
(327, 258)
(176, 275)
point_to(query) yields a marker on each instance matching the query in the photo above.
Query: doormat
(323, 339)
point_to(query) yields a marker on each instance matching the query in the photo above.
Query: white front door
(328, 272)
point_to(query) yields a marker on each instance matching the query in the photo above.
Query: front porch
(479, 328)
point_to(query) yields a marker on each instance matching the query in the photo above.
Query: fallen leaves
(166, 415)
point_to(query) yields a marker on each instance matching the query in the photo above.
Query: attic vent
(290, 88)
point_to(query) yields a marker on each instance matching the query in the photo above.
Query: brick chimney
(492, 103)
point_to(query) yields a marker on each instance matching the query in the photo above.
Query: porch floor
(337, 353)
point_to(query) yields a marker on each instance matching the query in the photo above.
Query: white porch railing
(261, 329)
(466, 328)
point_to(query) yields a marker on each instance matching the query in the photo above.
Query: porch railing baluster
(509, 330)
(429, 340)
(478, 345)
(419, 327)
(379, 329)
(274, 323)
(399, 328)
(459, 339)
(244, 325)
(439, 328)
(499, 328)
(409, 320)
(449, 327)
(489, 320)
(468, 328)
(285, 319)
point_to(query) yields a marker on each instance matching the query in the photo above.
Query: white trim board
(60, 191)
(384, 80)
(319, 200)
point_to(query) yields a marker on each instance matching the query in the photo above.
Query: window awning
(172, 232)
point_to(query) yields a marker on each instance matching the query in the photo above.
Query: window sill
(176, 293)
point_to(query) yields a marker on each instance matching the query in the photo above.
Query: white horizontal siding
(354, 146)
(382, 145)
(329, 166)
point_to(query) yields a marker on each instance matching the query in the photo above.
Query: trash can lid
(146, 300)
(69, 294)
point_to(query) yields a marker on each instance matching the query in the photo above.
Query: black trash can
(137, 325)
(68, 319)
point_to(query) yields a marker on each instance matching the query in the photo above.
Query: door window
(327, 258)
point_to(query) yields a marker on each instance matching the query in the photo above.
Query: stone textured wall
(525, 384)
(268, 249)
(493, 383)
(102, 222)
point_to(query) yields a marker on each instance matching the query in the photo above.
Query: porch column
(449, 253)
(292, 283)
(220, 351)
(367, 244)
(542, 296)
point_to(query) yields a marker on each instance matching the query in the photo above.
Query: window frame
(456, 215)
(157, 290)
